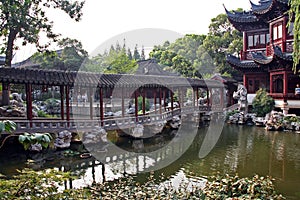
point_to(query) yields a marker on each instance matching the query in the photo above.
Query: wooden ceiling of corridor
(71, 78)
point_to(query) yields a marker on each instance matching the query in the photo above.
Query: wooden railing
(112, 123)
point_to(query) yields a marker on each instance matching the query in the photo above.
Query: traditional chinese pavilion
(266, 58)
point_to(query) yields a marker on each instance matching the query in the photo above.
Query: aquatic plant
(47, 184)
(31, 184)
(28, 139)
(7, 126)
(233, 187)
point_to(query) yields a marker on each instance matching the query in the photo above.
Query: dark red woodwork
(136, 106)
(5, 93)
(197, 95)
(207, 96)
(164, 97)
(122, 103)
(144, 102)
(172, 101)
(62, 98)
(285, 83)
(68, 103)
(155, 101)
(90, 96)
(28, 88)
(160, 99)
(101, 106)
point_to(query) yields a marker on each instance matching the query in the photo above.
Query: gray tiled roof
(57, 77)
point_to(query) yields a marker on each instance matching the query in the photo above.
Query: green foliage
(195, 55)
(70, 57)
(291, 119)
(45, 185)
(7, 126)
(34, 185)
(294, 16)
(117, 61)
(262, 103)
(27, 19)
(136, 54)
(140, 103)
(231, 113)
(35, 138)
(233, 187)
(223, 39)
(185, 56)
(41, 113)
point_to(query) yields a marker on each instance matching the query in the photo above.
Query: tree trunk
(8, 58)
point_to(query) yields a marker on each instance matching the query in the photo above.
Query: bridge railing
(108, 123)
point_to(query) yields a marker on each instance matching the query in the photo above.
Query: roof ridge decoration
(262, 7)
(261, 58)
(244, 16)
(279, 54)
(241, 65)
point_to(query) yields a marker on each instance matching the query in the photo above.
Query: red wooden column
(136, 106)
(5, 93)
(122, 102)
(160, 99)
(221, 97)
(182, 98)
(197, 96)
(28, 88)
(172, 100)
(62, 98)
(207, 97)
(164, 97)
(68, 103)
(245, 46)
(90, 96)
(194, 94)
(284, 33)
(155, 101)
(285, 83)
(144, 101)
(101, 106)
(179, 97)
(271, 84)
(245, 82)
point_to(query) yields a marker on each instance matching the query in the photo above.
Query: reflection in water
(240, 149)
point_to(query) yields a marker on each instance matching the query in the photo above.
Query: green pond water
(242, 150)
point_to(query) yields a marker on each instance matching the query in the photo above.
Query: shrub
(262, 103)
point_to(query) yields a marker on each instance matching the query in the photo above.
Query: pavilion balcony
(286, 46)
(246, 55)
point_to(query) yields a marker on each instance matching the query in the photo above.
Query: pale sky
(104, 19)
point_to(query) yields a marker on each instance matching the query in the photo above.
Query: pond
(242, 150)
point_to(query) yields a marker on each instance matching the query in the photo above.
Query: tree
(294, 16)
(143, 57)
(72, 54)
(183, 56)
(119, 63)
(129, 54)
(223, 39)
(114, 62)
(70, 57)
(262, 103)
(171, 61)
(26, 20)
(136, 54)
